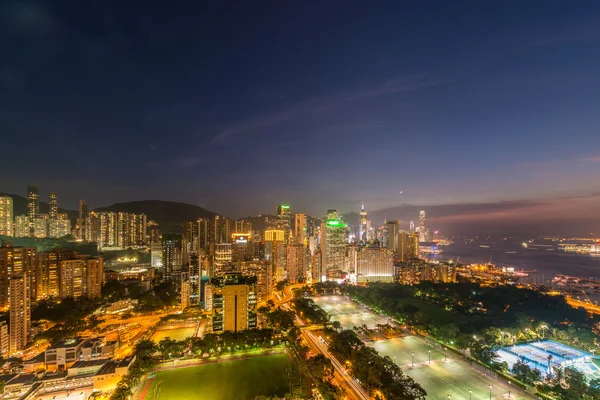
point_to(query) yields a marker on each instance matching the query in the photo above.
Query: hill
(168, 214)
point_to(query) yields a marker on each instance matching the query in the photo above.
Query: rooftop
(71, 342)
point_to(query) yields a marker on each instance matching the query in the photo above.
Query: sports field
(348, 313)
(439, 378)
(403, 348)
(228, 380)
(444, 378)
(175, 334)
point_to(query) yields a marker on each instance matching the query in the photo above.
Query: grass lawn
(175, 334)
(228, 380)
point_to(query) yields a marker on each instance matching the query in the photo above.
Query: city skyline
(340, 106)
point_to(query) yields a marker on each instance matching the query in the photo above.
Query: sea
(546, 259)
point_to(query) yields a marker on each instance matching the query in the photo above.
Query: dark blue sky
(238, 107)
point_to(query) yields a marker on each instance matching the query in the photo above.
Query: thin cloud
(397, 85)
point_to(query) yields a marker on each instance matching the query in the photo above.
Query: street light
(429, 356)
(543, 331)
(509, 383)
(490, 392)
(413, 359)
(470, 394)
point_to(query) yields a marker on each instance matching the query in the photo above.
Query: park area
(175, 334)
(442, 376)
(348, 312)
(226, 380)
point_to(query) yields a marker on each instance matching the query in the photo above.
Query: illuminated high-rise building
(81, 276)
(300, 228)
(296, 262)
(92, 231)
(274, 235)
(20, 312)
(263, 272)
(363, 227)
(223, 255)
(411, 227)
(333, 243)
(6, 216)
(422, 227)
(242, 248)
(21, 226)
(33, 207)
(375, 265)
(40, 226)
(214, 230)
(284, 220)
(242, 226)
(107, 229)
(233, 301)
(185, 294)
(53, 205)
(172, 256)
(390, 239)
(82, 220)
(95, 277)
(46, 275)
(55, 229)
(14, 261)
(131, 230)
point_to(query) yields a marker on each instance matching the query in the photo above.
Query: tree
(336, 325)
(525, 373)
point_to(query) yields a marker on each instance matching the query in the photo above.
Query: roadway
(352, 388)
(590, 307)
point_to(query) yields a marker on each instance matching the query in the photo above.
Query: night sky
(479, 112)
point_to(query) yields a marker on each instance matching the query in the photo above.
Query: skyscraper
(186, 291)
(412, 227)
(14, 261)
(21, 226)
(53, 205)
(107, 229)
(46, 273)
(422, 228)
(375, 265)
(82, 221)
(172, 255)
(234, 299)
(363, 228)
(6, 216)
(392, 229)
(333, 243)
(300, 227)
(131, 230)
(296, 262)
(53, 224)
(33, 207)
(284, 220)
(20, 312)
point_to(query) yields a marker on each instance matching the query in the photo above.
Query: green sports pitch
(227, 380)
(443, 378)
